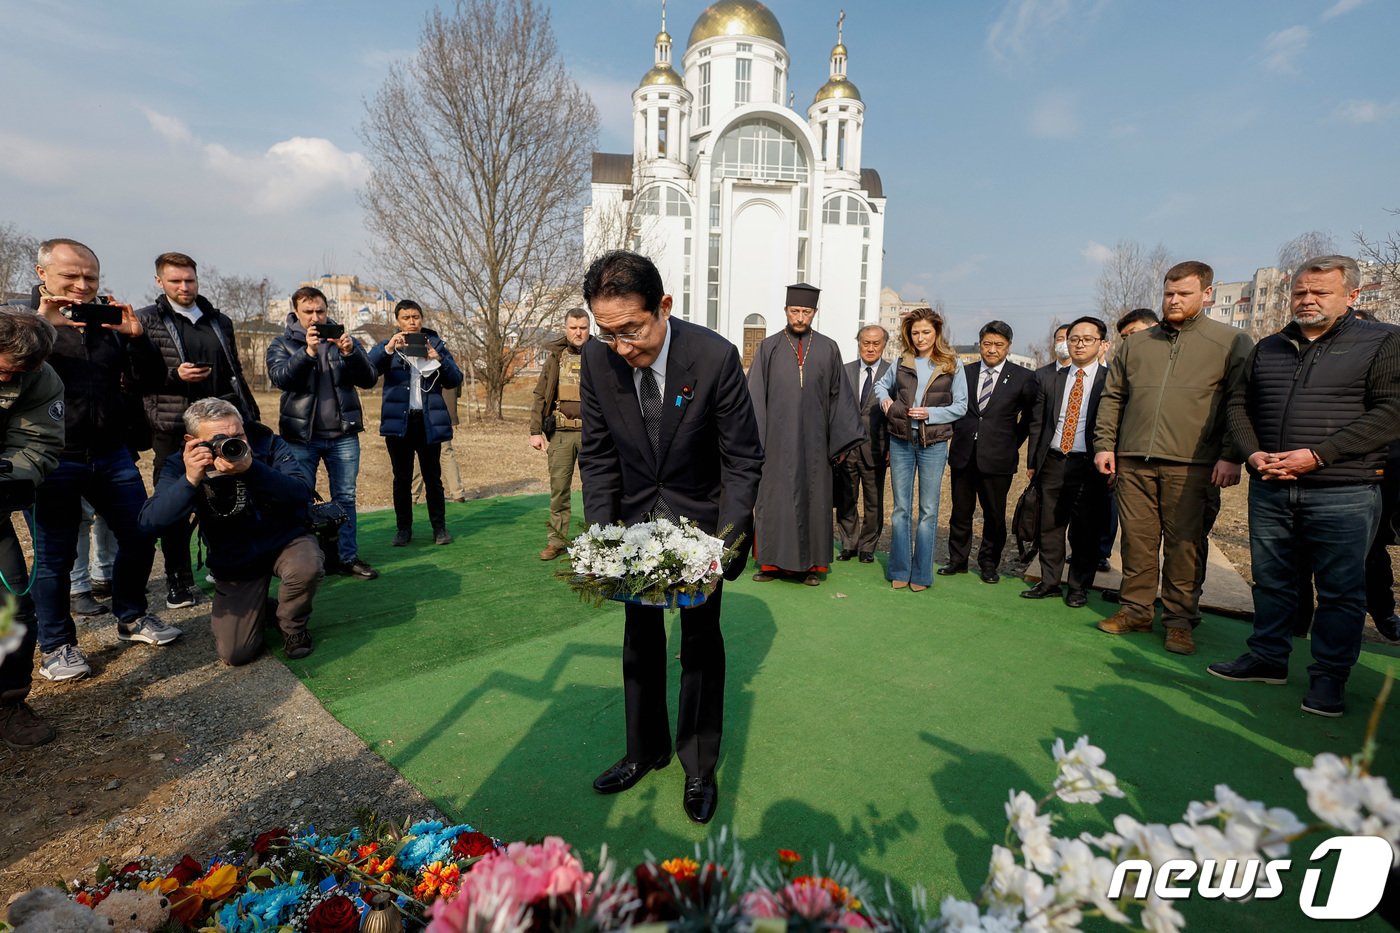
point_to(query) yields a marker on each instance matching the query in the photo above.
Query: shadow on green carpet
(890, 724)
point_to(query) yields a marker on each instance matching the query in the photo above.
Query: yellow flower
(216, 885)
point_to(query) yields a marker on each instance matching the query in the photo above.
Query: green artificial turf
(888, 723)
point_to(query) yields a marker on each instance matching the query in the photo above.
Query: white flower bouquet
(656, 563)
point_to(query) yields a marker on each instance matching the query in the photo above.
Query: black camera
(415, 344)
(228, 448)
(329, 331)
(94, 314)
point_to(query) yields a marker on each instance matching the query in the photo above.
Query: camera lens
(233, 448)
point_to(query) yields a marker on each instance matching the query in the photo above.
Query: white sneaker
(66, 663)
(149, 629)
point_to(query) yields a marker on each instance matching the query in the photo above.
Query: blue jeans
(110, 482)
(1335, 525)
(96, 554)
(342, 458)
(905, 460)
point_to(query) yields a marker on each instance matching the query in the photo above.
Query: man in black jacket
(1320, 406)
(1002, 401)
(95, 362)
(860, 478)
(696, 456)
(321, 417)
(1074, 495)
(251, 500)
(197, 345)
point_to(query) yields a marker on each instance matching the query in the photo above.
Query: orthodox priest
(808, 419)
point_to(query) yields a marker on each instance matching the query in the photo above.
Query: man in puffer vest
(196, 341)
(1321, 405)
(556, 425)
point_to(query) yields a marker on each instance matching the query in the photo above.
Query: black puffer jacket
(295, 373)
(165, 408)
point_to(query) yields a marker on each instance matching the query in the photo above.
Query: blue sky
(1016, 139)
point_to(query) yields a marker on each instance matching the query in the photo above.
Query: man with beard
(808, 419)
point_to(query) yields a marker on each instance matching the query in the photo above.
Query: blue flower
(258, 910)
(433, 843)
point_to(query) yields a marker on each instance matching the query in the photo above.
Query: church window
(778, 83)
(841, 144)
(704, 93)
(759, 149)
(856, 212)
(712, 305)
(743, 80)
(661, 125)
(831, 211)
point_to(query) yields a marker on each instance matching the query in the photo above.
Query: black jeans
(175, 540)
(402, 450)
(17, 669)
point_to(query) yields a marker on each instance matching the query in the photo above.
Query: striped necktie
(984, 394)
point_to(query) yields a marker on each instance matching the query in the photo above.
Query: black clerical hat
(802, 295)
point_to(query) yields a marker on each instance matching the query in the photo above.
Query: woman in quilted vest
(922, 396)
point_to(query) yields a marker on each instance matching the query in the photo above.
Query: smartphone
(201, 364)
(415, 344)
(95, 314)
(329, 331)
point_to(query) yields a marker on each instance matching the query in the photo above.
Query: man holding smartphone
(100, 351)
(197, 345)
(318, 366)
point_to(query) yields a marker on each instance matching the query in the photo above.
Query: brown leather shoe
(1121, 624)
(1180, 641)
(551, 552)
(21, 727)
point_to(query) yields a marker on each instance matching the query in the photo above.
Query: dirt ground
(164, 751)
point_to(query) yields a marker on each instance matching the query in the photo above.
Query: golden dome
(837, 86)
(736, 18)
(661, 74)
(663, 36)
(840, 49)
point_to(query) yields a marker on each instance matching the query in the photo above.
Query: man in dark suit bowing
(1001, 404)
(860, 478)
(1073, 494)
(668, 432)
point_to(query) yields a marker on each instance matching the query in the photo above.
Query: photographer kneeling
(251, 497)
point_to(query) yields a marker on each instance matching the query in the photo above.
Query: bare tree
(1131, 278)
(1385, 254)
(1305, 246)
(17, 253)
(241, 297)
(479, 151)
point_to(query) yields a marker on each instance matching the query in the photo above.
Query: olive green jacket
(1167, 391)
(31, 412)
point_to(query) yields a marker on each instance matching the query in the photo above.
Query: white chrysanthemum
(1033, 829)
(1081, 777)
(1333, 794)
(1150, 841)
(1160, 917)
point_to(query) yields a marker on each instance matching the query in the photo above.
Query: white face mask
(1062, 349)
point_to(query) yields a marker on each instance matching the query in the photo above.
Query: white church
(734, 194)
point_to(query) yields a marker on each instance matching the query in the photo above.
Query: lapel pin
(678, 401)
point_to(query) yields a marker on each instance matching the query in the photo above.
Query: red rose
(186, 871)
(471, 845)
(130, 868)
(273, 837)
(336, 914)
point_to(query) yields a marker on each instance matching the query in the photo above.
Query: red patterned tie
(1076, 398)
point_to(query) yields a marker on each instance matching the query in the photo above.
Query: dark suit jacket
(711, 456)
(872, 418)
(1054, 385)
(991, 440)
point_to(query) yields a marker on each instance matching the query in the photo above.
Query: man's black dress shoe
(1111, 596)
(867, 557)
(1104, 564)
(623, 775)
(991, 576)
(949, 570)
(1076, 599)
(701, 798)
(1040, 591)
(845, 555)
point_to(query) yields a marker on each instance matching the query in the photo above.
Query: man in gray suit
(861, 476)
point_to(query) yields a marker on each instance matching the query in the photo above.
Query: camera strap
(28, 571)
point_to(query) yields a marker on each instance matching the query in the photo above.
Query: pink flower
(762, 904)
(512, 878)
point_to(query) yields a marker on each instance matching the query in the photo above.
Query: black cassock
(807, 417)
